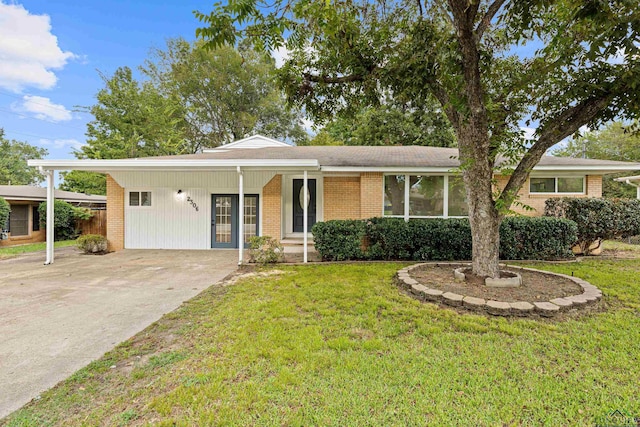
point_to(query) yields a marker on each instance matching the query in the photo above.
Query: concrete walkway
(56, 319)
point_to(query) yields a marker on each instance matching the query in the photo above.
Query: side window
(140, 198)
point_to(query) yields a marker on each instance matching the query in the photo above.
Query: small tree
(65, 217)
(598, 219)
(5, 209)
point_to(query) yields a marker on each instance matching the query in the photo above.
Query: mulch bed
(535, 286)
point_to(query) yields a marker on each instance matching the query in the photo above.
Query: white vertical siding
(171, 222)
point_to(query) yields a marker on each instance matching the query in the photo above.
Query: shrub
(537, 238)
(440, 239)
(92, 243)
(64, 220)
(265, 250)
(339, 240)
(597, 219)
(5, 209)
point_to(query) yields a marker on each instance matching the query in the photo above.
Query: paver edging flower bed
(590, 294)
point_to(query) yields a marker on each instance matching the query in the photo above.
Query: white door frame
(287, 203)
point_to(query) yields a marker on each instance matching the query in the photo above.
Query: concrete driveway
(56, 319)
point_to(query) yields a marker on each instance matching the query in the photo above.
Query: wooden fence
(96, 225)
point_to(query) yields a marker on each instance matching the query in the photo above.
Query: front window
(426, 196)
(556, 185)
(420, 196)
(140, 198)
(394, 195)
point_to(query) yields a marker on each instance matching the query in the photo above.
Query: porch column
(50, 217)
(240, 216)
(305, 221)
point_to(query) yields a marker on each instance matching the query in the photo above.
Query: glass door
(224, 220)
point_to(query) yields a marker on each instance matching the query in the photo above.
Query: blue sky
(50, 51)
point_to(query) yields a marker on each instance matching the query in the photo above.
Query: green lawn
(10, 251)
(340, 345)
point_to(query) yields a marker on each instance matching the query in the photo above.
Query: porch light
(180, 195)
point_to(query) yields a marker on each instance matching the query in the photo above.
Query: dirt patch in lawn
(536, 286)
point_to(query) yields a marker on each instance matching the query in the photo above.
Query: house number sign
(193, 203)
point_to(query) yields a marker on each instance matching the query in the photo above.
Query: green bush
(92, 243)
(537, 238)
(440, 239)
(5, 209)
(597, 219)
(65, 216)
(265, 250)
(339, 240)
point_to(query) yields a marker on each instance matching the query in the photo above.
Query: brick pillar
(272, 208)
(594, 185)
(115, 215)
(371, 194)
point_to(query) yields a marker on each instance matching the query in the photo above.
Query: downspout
(50, 216)
(240, 216)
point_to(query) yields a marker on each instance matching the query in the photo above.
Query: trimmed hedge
(439, 239)
(597, 218)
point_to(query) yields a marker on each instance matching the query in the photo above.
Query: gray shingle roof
(376, 156)
(29, 192)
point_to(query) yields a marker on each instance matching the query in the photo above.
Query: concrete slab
(56, 319)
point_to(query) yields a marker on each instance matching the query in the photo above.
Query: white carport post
(305, 221)
(50, 218)
(628, 181)
(240, 216)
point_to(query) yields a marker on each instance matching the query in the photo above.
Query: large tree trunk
(484, 218)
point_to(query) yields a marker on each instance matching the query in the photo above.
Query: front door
(224, 219)
(298, 211)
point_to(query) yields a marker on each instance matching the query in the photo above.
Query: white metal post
(638, 192)
(240, 216)
(50, 217)
(305, 221)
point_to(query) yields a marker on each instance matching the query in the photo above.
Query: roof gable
(252, 142)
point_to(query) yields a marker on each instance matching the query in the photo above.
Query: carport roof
(39, 194)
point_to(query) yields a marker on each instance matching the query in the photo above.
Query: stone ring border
(590, 294)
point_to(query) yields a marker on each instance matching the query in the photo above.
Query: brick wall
(537, 201)
(115, 215)
(341, 197)
(272, 208)
(370, 194)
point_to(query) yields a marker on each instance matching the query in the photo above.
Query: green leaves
(13, 162)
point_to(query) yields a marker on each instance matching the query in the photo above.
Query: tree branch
(488, 17)
(568, 122)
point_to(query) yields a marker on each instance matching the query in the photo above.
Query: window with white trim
(424, 196)
(560, 184)
(140, 198)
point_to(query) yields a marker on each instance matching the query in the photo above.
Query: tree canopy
(84, 182)
(13, 162)
(490, 64)
(188, 99)
(614, 141)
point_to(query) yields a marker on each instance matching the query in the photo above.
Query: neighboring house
(24, 220)
(255, 186)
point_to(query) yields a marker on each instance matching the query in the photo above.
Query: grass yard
(340, 345)
(11, 251)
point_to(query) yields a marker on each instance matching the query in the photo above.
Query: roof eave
(175, 164)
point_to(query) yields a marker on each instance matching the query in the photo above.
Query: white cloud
(62, 143)
(42, 108)
(28, 50)
(280, 55)
(528, 133)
